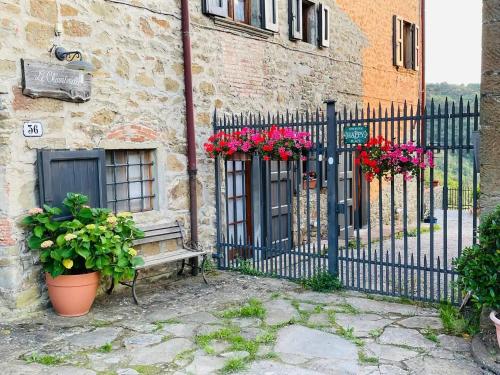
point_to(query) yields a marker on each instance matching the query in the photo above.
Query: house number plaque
(32, 129)
(55, 81)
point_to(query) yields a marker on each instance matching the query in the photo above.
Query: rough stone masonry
(137, 96)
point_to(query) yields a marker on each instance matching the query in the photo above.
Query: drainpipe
(422, 93)
(422, 62)
(190, 129)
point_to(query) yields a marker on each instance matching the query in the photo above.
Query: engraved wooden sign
(55, 81)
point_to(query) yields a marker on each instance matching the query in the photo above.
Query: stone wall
(137, 102)
(490, 108)
(137, 98)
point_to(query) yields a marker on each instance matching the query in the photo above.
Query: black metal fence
(271, 216)
(467, 198)
(383, 237)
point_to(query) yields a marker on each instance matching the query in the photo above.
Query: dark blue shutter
(62, 172)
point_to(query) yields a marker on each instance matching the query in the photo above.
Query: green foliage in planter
(478, 266)
(92, 239)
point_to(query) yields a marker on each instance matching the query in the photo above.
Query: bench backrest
(160, 232)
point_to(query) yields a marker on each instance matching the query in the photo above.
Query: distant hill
(439, 91)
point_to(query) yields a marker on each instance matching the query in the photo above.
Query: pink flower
(246, 146)
(35, 211)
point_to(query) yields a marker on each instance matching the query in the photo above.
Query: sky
(453, 41)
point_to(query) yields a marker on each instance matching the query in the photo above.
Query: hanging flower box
(240, 156)
(273, 144)
(382, 158)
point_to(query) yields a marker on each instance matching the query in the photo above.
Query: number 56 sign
(32, 129)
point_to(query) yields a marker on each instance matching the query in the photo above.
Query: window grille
(130, 180)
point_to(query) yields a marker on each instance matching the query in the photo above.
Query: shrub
(322, 282)
(92, 239)
(478, 266)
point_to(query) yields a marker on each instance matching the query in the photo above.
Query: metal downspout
(190, 126)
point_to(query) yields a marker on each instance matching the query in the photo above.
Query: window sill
(243, 28)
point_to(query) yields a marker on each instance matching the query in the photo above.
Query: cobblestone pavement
(240, 324)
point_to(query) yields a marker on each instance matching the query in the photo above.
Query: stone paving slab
(407, 337)
(422, 322)
(362, 324)
(161, 335)
(280, 311)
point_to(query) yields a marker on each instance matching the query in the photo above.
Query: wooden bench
(165, 232)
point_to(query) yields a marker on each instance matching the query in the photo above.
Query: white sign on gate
(32, 129)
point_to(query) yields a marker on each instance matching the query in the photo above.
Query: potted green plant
(76, 250)
(478, 268)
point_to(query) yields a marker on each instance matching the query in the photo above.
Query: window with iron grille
(130, 180)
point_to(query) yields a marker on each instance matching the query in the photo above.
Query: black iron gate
(295, 219)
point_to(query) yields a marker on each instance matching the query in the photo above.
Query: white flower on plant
(69, 236)
(46, 244)
(112, 220)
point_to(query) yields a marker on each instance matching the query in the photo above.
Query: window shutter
(62, 172)
(271, 15)
(324, 25)
(215, 7)
(397, 31)
(416, 47)
(295, 15)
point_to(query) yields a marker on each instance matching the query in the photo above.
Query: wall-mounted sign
(55, 81)
(356, 135)
(32, 129)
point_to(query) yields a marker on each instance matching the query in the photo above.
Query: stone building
(293, 59)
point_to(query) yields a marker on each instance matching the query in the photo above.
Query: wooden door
(239, 223)
(278, 189)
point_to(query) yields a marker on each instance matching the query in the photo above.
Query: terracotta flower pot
(312, 184)
(493, 317)
(72, 295)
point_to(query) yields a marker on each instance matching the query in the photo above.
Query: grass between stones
(98, 323)
(147, 369)
(365, 359)
(47, 360)
(454, 323)
(159, 324)
(245, 267)
(348, 333)
(322, 282)
(106, 348)
(232, 336)
(233, 365)
(252, 309)
(430, 334)
(187, 354)
(375, 332)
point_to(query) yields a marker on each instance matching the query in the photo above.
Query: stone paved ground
(185, 327)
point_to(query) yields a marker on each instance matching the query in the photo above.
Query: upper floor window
(258, 13)
(308, 21)
(406, 44)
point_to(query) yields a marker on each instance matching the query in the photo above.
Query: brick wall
(383, 82)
